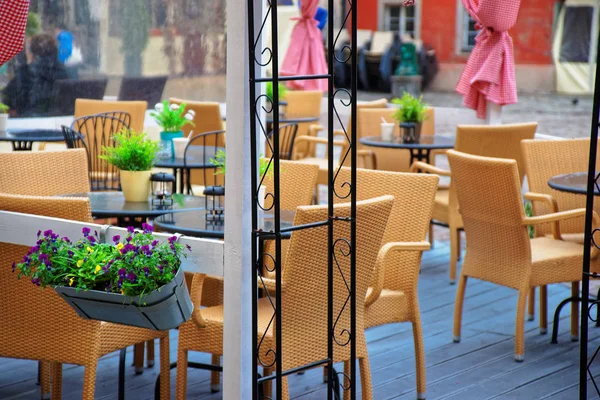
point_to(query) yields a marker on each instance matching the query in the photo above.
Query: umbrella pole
(494, 114)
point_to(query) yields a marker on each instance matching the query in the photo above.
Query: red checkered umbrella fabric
(490, 71)
(13, 20)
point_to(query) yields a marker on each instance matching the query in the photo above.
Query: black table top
(428, 142)
(572, 183)
(113, 205)
(198, 157)
(31, 135)
(292, 120)
(196, 224)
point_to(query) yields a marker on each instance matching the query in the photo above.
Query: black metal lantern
(163, 186)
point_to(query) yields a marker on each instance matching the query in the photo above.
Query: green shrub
(4, 108)
(282, 90)
(410, 109)
(133, 151)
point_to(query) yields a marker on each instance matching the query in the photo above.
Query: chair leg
(365, 378)
(122, 357)
(575, 312)
(138, 358)
(344, 383)
(458, 244)
(89, 381)
(165, 368)
(543, 310)
(181, 380)
(520, 326)
(431, 239)
(45, 377)
(531, 305)
(419, 358)
(215, 376)
(325, 374)
(458, 307)
(285, 390)
(268, 385)
(453, 253)
(150, 353)
(56, 380)
(598, 308)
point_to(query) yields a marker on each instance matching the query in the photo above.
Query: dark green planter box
(163, 309)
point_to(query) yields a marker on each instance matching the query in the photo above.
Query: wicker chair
(207, 118)
(502, 141)
(44, 311)
(47, 173)
(304, 297)
(202, 147)
(393, 295)
(97, 131)
(303, 104)
(287, 135)
(498, 246)
(136, 110)
(544, 159)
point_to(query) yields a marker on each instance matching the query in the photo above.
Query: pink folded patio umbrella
(13, 20)
(306, 53)
(490, 71)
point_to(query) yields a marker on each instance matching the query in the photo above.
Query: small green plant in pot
(3, 116)
(410, 114)
(171, 118)
(282, 94)
(133, 155)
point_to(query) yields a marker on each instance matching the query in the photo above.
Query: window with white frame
(400, 19)
(469, 32)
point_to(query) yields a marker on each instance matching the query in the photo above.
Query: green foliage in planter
(529, 213)
(410, 109)
(34, 24)
(136, 267)
(172, 117)
(4, 108)
(219, 161)
(133, 151)
(282, 90)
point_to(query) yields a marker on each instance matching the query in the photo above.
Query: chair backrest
(544, 159)
(67, 91)
(304, 297)
(28, 310)
(303, 103)
(297, 183)
(207, 119)
(98, 131)
(136, 110)
(409, 219)
(148, 89)
(500, 141)
(44, 173)
(489, 193)
(201, 148)
(287, 135)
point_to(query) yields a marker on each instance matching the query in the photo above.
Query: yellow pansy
(98, 268)
(71, 282)
(122, 292)
(79, 263)
(120, 246)
(89, 249)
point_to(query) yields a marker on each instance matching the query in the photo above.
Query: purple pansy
(188, 247)
(109, 287)
(116, 239)
(146, 271)
(14, 266)
(39, 232)
(66, 239)
(86, 231)
(130, 229)
(147, 228)
(172, 239)
(47, 233)
(132, 277)
(70, 253)
(92, 239)
(154, 243)
(122, 272)
(35, 281)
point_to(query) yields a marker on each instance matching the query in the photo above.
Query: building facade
(445, 25)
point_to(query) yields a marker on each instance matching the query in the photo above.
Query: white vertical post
(494, 114)
(237, 340)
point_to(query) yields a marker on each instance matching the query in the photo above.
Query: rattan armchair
(207, 117)
(304, 297)
(136, 109)
(38, 325)
(304, 104)
(393, 293)
(499, 249)
(502, 141)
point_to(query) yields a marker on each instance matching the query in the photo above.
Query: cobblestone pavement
(557, 114)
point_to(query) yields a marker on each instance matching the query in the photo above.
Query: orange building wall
(532, 35)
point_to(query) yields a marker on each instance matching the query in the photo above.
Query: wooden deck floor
(480, 367)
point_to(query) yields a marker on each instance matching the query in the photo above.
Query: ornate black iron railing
(587, 304)
(260, 58)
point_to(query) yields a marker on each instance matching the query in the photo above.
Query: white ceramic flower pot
(3, 121)
(135, 185)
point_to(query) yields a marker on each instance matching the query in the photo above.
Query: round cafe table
(575, 182)
(200, 223)
(23, 138)
(418, 151)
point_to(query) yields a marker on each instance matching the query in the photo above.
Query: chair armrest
(314, 129)
(268, 284)
(423, 166)
(546, 198)
(196, 296)
(554, 218)
(339, 132)
(312, 139)
(379, 270)
(368, 154)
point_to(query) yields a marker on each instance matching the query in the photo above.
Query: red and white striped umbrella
(13, 20)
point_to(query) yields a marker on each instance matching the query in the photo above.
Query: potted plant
(410, 114)
(282, 93)
(171, 118)
(135, 281)
(3, 116)
(133, 155)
